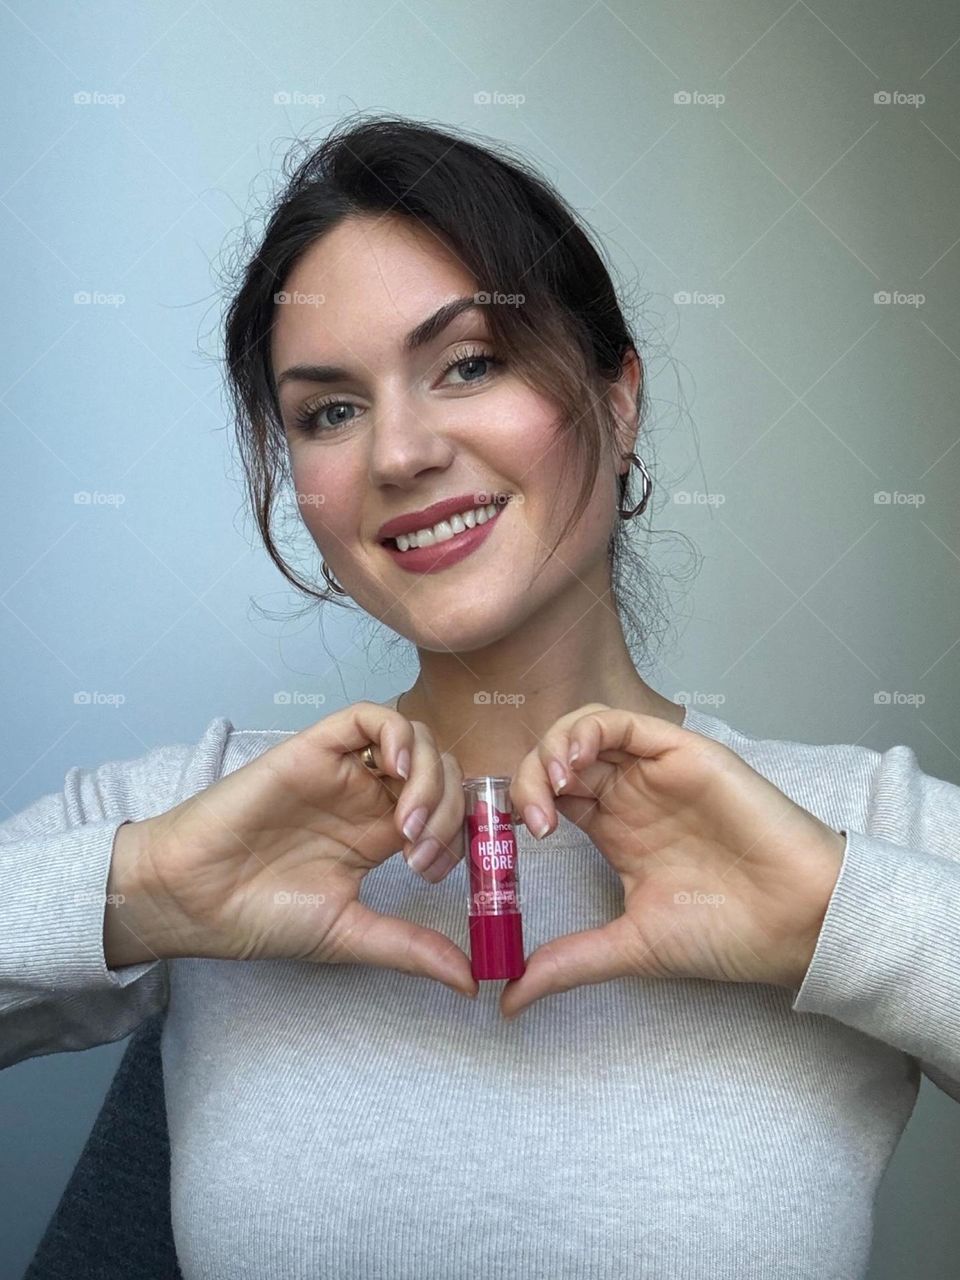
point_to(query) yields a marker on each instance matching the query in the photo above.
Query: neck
(489, 707)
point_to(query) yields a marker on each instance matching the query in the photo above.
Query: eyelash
(306, 418)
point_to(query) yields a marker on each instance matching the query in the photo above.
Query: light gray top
(352, 1121)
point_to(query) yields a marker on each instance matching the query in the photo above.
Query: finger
(545, 773)
(574, 960)
(443, 833)
(424, 789)
(365, 723)
(615, 736)
(392, 943)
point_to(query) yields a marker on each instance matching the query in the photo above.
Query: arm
(887, 958)
(58, 991)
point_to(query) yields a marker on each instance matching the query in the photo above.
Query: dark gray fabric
(113, 1219)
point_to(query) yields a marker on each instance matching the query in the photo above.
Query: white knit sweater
(356, 1122)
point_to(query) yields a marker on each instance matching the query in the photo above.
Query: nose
(405, 442)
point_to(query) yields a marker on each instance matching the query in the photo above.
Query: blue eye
(307, 419)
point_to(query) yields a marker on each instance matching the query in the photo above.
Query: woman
(740, 953)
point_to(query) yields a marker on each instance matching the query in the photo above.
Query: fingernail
(415, 823)
(574, 752)
(536, 820)
(557, 776)
(441, 866)
(403, 765)
(423, 854)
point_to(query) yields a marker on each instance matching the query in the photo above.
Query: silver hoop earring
(334, 584)
(647, 489)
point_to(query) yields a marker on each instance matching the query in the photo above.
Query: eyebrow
(420, 336)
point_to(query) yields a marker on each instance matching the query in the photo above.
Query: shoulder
(837, 766)
(883, 792)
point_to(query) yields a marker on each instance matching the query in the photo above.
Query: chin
(462, 631)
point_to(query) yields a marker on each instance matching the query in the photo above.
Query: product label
(492, 850)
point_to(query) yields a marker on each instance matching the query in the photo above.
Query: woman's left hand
(724, 876)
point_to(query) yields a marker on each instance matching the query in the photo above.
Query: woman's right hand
(267, 862)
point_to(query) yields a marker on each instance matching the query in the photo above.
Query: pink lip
(432, 515)
(443, 554)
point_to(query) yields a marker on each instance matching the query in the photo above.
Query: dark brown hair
(516, 236)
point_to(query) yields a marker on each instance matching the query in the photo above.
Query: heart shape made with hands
(725, 877)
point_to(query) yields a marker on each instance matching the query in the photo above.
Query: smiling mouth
(499, 504)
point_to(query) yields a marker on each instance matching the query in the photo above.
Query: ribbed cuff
(52, 913)
(887, 959)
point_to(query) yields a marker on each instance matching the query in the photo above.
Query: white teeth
(447, 529)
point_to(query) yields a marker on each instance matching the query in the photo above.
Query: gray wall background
(785, 396)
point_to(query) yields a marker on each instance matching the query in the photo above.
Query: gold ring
(369, 761)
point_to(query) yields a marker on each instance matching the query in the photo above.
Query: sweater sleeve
(56, 991)
(887, 959)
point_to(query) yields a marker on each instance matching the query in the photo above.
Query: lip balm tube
(493, 904)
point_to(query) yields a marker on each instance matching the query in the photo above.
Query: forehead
(362, 287)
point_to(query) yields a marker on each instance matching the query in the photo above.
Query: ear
(623, 401)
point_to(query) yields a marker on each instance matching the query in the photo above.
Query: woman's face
(394, 433)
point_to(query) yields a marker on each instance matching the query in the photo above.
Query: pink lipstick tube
(490, 842)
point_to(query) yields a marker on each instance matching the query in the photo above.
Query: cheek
(323, 488)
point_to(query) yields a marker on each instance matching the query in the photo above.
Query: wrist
(821, 882)
(139, 923)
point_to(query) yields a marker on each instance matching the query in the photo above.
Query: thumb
(573, 960)
(392, 943)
